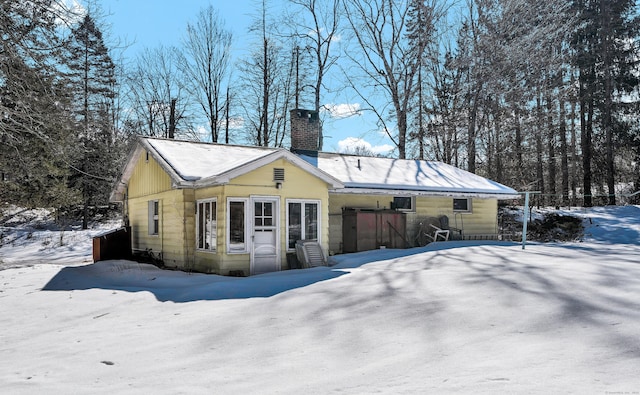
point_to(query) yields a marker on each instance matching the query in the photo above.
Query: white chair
(309, 253)
(438, 233)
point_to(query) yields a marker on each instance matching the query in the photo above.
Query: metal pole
(525, 220)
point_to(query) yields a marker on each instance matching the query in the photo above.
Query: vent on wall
(278, 174)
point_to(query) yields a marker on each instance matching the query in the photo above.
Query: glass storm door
(265, 255)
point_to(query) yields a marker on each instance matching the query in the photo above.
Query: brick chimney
(305, 130)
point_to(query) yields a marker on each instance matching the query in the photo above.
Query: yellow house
(420, 190)
(238, 210)
(221, 208)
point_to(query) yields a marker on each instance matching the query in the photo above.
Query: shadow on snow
(179, 287)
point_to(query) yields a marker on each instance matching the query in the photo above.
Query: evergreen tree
(91, 78)
(420, 32)
(34, 127)
(606, 61)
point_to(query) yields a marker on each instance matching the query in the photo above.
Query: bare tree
(206, 66)
(386, 63)
(317, 32)
(267, 86)
(158, 95)
(512, 83)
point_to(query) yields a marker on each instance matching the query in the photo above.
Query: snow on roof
(194, 161)
(401, 174)
(193, 164)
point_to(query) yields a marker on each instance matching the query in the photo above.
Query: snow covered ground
(452, 317)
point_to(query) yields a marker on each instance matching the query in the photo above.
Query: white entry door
(265, 254)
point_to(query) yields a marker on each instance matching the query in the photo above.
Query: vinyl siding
(298, 184)
(148, 182)
(176, 239)
(169, 242)
(148, 178)
(481, 220)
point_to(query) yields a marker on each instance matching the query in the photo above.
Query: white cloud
(383, 149)
(334, 39)
(344, 110)
(234, 123)
(68, 11)
(354, 144)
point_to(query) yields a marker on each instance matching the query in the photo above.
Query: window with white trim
(462, 205)
(237, 225)
(154, 217)
(403, 203)
(207, 224)
(303, 221)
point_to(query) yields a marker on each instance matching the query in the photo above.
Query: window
(403, 203)
(462, 205)
(207, 225)
(263, 214)
(237, 226)
(303, 221)
(154, 217)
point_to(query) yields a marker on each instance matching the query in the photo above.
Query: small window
(236, 226)
(154, 217)
(207, 225)
(462, 205)
(403, 203)
(263, 214)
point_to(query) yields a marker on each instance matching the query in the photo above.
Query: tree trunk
(564, 154)
(518, 142)
(172, 120)
(499, 174)
(420, 126)
(607, 123)
(636, 199)
(551, 149)
(265, 91)
(574, 155)
(471, 135)
(227, 104)
(586, 115)
(539, 150)
(402, 134)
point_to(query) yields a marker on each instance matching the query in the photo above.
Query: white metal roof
(194, 164)
(361, 173)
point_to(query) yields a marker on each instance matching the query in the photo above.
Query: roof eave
(323, 175)
(119, 190)
(373, 189)
(176, 180)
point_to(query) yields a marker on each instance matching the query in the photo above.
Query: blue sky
(150, 23)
